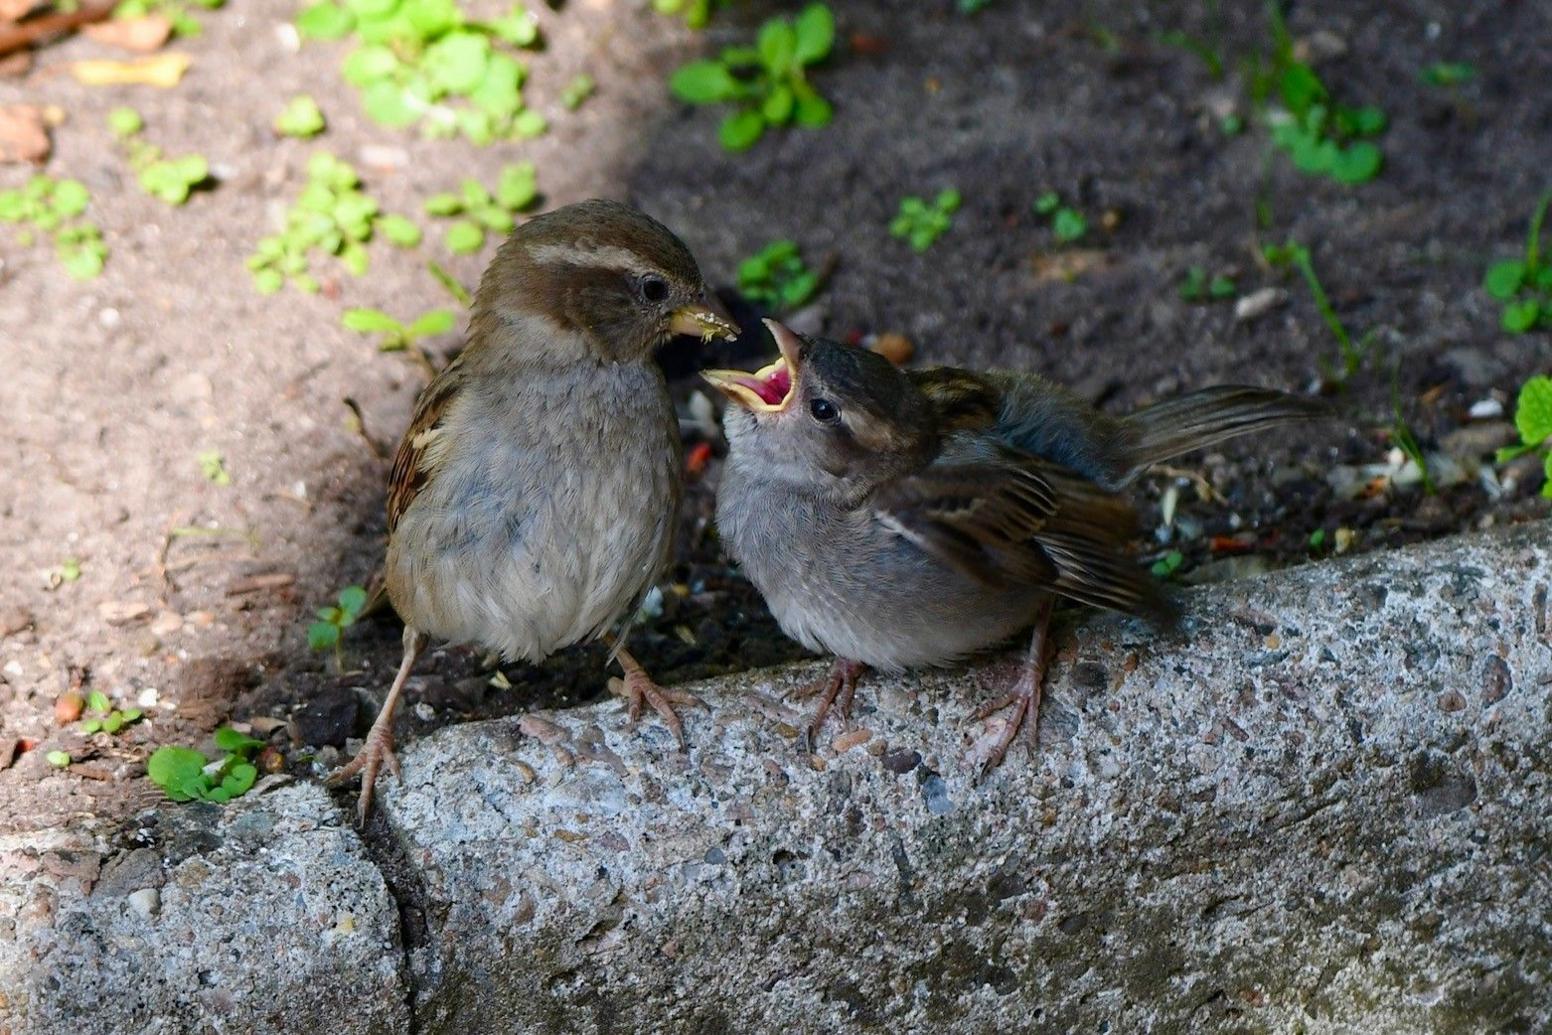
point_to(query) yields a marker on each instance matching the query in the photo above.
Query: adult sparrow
(532, 501)
(900, 518)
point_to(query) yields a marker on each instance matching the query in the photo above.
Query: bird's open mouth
(769, 389)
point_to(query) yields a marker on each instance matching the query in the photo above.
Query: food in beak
(701, 321)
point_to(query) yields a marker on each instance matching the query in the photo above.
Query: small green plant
(1352, 352)
(1533, 420)
(57, 759)
(1067, 223)
(103, 717)
(696, 12)
(1404, 439)
(424, 62)
(1320, 135)
(213, 466)
(175, 11)
(301, 117)
(1447, 73)
(972, 6)
(776, 277)
(169, 179)
(187, 775)
(1197, 286)
(1317, 540)
(393, 335)
(922, 223)
(477, 210)
(577, 91)
(329, 630)
(1202, 49)
(768, 81)
(449, 282)
(332, 215)
(1524, 285)
(46, 207)
(68, 570)
(1166, 566)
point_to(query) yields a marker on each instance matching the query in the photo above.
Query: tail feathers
(1175, 426)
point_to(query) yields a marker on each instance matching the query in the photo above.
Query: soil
(116, 384)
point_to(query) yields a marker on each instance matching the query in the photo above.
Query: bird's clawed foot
(1024, 702)
(836, 688)
(376, 753)
(637, 688)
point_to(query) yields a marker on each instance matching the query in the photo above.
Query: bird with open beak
(897, 519)
(533, 499)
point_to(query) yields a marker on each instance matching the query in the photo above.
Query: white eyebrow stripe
(581, 253)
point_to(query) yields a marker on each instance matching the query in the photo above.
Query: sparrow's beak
(769, 389)
(701, 320)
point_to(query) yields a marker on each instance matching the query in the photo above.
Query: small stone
(166, 623)
(424, 712)
(1258, 303)
(1486, 409)
(109, 318)
(147, 902)
(1451, 701)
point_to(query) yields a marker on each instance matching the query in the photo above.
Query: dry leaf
(142, 35)
(162, 70)
(23, 134)
(1066, 265)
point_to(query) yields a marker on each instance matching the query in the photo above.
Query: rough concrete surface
(1323, 807)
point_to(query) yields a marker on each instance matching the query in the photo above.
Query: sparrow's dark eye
(824, 411)
(654, 289)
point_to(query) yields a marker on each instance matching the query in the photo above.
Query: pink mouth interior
(774, 388)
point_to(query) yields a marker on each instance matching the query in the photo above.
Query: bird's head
(832, 418)
(597, 279)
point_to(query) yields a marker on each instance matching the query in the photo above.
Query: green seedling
(57, 759)
(301, 117)
(577, 91)
(1404, 439)
(170, 179)
(1321, 136)
(1067, 223)
(1197, 286)
(922, 223)
(187, 775)
(972, 6)
(1317, 540)
(1533, 420)
(1448, 73)
(424, 62)
(328, 632)
(332, 215)
(213, 467)
(460, 293)
(696, 12)
(125, 122)
(175, 11)
(1166, 566)
(767, 82)
(394, 336)
(476, 210)
(776, 277)
(102, 717)
(1524, 285)
(46, 207)
(1352, 352)
(68, 570)
(1201, 49)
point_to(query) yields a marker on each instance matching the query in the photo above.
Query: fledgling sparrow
(532, 501)
(898, 519)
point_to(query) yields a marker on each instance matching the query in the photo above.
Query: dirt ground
(115, 385)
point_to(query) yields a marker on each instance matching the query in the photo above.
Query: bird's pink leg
(378, 749)
(839, 683)
(1025, 698)
(637, 687)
